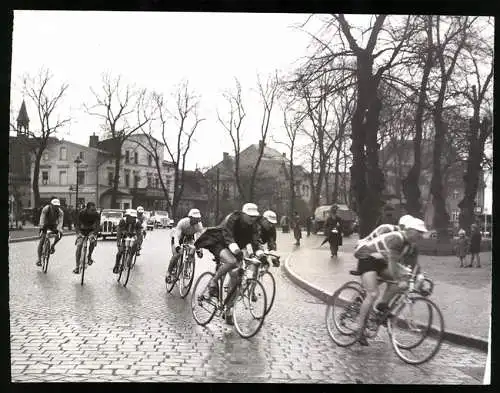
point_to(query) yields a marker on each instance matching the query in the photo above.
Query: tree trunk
(36, 176)
(336, 175)
(116, 179)
(292, 184)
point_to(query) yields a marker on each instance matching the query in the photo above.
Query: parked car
(110, 219)
(162, 219)
(150, 221)
(347, 215)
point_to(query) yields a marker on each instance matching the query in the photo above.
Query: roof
(23, 115)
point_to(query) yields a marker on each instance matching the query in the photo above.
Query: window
(150, 160)
(82, 156)
(454, 215)
(46, 156)
(167, 184)
(45, 177)
(127, 179)
(63, 201)
(127, 156)
(136, 181)
(62, 154)
(81, 177)
(455, 194)
(150, 180)
(225, 191)
(157, 183)
(126, 205)
(63, 178)
(136, 157)
(110, 178)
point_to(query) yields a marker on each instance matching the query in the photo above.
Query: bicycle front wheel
(342, 314)
(175, 275)
(45, 255)
(122, 264)
(186, 277)
(128, 267)
(269, 284)
(249, 308)
(202, 306)
(83, 256)
(416, 330)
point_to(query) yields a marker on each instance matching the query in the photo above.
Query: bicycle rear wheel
(186, 276)
(342, 315)
(83, 256)
(122, 265)
(249, 309)
(202, 306)
(128, 267)
(418, 322)
(175, 275)
(45, 254)
(269, 284)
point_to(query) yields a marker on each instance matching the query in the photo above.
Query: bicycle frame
(128, 242)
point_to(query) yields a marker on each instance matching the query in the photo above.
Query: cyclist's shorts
(371, 264)
(86, 232)
(212, 240)
(52, 228)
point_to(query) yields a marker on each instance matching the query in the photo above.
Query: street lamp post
(77, 162)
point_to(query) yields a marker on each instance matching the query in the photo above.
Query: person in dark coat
(297, 232)
(475, 245)
(333, 231)
(309, 224)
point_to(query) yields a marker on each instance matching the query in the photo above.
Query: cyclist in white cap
(386, 228)
(227, 241)
(380, 257)
(142, 220)
(188, 229)
(51, 218)
(128, 225)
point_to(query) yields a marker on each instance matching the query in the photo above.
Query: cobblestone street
(61, 331)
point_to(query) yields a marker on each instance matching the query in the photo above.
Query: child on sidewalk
(461, 247)
(475, 245)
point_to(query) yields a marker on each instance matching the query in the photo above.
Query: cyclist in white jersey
(380, 256)
(385, 228)
(186, 230)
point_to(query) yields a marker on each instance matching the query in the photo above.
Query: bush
(432, 247)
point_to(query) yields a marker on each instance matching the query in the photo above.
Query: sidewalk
(463, 295)
(30, 232)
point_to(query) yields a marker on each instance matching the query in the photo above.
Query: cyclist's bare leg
(173, 262)
(389, 292)
(370, 284)
(79, 243)
(92, 245)
(229, 262)
(40, 246)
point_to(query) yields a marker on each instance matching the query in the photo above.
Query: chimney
(225, 157)
(94, 140)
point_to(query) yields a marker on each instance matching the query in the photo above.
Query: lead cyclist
(380, 256)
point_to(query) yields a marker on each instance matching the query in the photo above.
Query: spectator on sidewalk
(309, 225)
(475, 245)
(297, 232)
(70, 217)
(462, 247)
(285, 226)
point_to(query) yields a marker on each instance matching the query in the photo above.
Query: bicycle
(402, 312)
(247, 291)
(267, 279)
(127, 261)
(83, 257)
(46, 246)
(183, 271)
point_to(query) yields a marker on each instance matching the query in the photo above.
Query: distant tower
(23, 121)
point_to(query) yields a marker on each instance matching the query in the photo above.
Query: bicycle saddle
(354, 273)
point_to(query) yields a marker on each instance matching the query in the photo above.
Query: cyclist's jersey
(88, 221)
(380, 230)
(131, 228)
(391, 247)
(235, 230)
(268, 237)
(142, 220)
(51, 216)
(185, 229)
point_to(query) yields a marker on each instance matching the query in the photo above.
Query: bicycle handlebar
(270, 254)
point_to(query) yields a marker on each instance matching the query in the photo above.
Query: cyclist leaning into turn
(140, 237)
(128, 226)
(87, 225)
(379, 257)
(267, 225)
(188, 229)
(51, 218)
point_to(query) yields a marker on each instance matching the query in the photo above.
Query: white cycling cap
(195, 213)
(404, 220)
(131, 212)
(271, 216)
(250, 209)
(140, 209)
(55, 202)
(416, 224)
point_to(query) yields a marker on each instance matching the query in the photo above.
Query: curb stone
(450, 336)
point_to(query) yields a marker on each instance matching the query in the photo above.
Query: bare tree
(46, 100)
(115, 106)
(233, 128)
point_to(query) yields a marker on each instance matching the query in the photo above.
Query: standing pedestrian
(309, 225)
(333, 231)
(297, 232)
(461, 247)
(475, 245)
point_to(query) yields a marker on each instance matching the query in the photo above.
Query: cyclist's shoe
(116, 269)
(362, 341)
(90, 262)
(168, 279)
(76, 270)
(229, 318)
(213, 290)
(39, 263)
(52, 250)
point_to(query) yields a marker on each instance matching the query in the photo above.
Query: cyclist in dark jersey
(129, 225)
(87, 225)
(51, 218)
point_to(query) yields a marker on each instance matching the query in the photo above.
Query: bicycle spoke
(250, 308)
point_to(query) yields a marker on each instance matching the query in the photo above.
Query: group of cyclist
(242, 233)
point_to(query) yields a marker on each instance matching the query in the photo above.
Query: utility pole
(217, 195)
